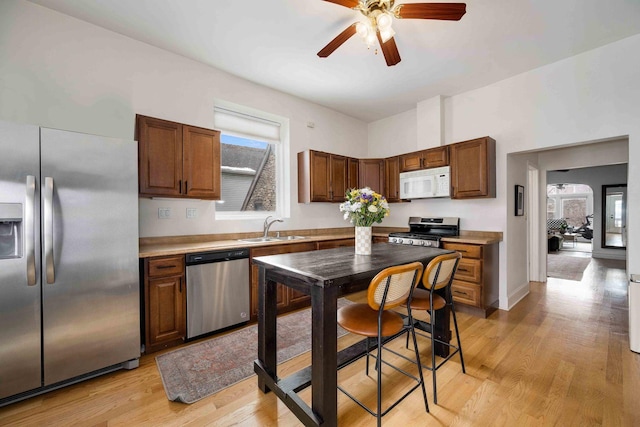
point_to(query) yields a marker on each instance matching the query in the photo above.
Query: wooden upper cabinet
(322, 177)
(160, 156)
(201, 162)
(473, 168)
(425, 159)
(177, 160)
(339, 177)
(352, 172)
(371, 174)
(392, 179)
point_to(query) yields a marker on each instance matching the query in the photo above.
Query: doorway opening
(570, 218)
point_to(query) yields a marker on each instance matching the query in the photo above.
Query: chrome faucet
(268, 223)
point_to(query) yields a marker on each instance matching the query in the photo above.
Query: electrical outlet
(192, 213)
(164, 213)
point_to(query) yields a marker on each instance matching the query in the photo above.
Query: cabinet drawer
(166, 266)
(469, 270)
(283, 249)
(466, 293)
(336, 243)
(467, 251)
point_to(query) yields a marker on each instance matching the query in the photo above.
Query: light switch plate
(164, 213)
(192, 213)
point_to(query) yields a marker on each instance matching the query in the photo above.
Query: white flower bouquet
(364, 207)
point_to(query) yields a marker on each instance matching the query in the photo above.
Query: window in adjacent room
(253, 155)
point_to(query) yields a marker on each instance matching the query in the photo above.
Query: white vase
(363, 240)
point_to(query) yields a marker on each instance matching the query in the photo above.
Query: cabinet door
(159, 156)
(392, 179)
(320, 176)
(339, 178)
(166, 320)
(201, 166)
(435, 157)
(287, 298)
(473, 169)
(371, 174)
(411, 161)
(353, 168)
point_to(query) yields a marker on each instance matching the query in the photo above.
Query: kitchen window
(253, 158)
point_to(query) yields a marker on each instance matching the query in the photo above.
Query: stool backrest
(440, 271)
(393, 285)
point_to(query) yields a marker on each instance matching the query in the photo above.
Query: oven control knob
(410, 242)
(423, 243)
(429, 243)
(399, 240)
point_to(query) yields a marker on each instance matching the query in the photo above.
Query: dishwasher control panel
(216, 256)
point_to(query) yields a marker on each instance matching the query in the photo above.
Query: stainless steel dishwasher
(217, 290)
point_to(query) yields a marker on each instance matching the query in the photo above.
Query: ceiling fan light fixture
(384, 21)
(362, 29)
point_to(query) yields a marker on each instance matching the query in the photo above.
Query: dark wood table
(324, 275)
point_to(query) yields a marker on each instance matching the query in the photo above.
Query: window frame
(281, 151)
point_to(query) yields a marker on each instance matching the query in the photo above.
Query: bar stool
(438, 276)
(390, 288)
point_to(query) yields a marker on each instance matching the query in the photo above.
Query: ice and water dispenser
(10, 230)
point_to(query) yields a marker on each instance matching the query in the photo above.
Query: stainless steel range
(427, 231)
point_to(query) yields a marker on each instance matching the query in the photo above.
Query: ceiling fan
(380, 14)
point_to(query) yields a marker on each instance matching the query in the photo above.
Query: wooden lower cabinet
(165, 302)
(338, 243)
(288, 299)
(475, 285)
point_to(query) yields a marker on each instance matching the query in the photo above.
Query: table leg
(267, 317)
(324, 349)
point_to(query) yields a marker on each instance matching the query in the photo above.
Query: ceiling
(274, 43)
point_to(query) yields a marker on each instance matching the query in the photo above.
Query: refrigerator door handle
(48, 230)
(29, 232)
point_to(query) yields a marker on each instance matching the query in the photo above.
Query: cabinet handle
(180, 185)
(171, 266)
(186, 187)
(462, 269)
(460, 293)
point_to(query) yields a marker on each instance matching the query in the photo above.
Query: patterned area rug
(200, 370)
(566, 267)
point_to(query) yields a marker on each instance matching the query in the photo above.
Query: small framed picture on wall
(519, 200)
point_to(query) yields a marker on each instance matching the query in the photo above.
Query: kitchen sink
(270, 239)
(259, 239)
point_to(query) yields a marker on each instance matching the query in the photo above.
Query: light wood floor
(560, 357)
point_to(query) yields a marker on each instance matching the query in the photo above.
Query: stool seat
(420, 300)
(362, 320)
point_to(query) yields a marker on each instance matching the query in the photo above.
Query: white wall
(587, 98)
(59, 72)
(392, 135)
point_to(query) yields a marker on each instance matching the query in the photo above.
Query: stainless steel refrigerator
(69, 282)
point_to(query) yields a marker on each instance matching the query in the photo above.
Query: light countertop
(180, 245)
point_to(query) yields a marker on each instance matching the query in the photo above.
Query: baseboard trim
(517, 296)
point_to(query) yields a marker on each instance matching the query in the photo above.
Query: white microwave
(425, 183)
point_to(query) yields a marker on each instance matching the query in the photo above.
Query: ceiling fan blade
(446, 11)
(337, 42)
(390, 51)
(346, 3)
